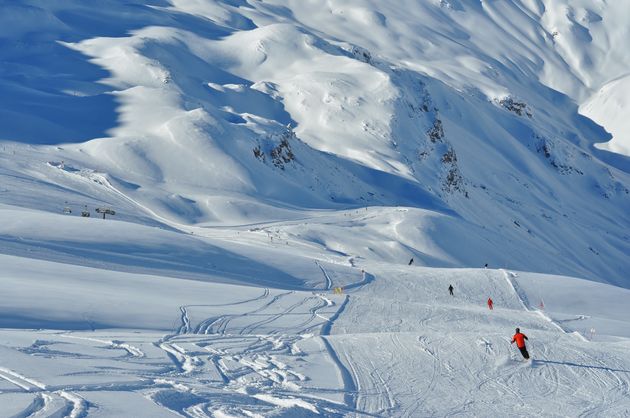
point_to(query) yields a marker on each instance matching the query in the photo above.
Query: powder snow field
(260, 155)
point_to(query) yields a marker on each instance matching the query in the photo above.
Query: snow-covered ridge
(232, 112)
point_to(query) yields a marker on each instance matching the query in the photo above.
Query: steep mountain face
(240, 111)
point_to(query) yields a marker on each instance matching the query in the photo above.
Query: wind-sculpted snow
(232, 113)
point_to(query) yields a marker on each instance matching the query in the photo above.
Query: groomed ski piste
(273, 166)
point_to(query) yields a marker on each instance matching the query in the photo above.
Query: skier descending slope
(520, 338)
(490, 303)
(450, 289)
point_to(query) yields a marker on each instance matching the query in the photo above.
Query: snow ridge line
(326, 328)
(134, 351)
(365, 280)
(130, 349)
(182, 361)
(78, 405)
(19, 380)
(328, 279)
(519, 295)
(327, 303)
(166, 221)
(348, 379)
(522, 298)
(185, 327)
(35, 408)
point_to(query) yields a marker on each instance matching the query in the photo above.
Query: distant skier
(520, 338)
(410, 261)
(485, 266)
(490, 303)
(450, 289)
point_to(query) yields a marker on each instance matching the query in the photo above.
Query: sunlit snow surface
(451, 132)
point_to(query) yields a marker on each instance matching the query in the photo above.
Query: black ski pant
(524, 352)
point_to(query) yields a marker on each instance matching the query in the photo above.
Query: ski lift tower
(105, 211)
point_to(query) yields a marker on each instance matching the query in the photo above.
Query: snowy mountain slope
(421, 110)
(606, 107)
(261, 154)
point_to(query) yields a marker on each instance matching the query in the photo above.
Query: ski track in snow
(195, 350)
(17, 379)
(329, 283)
(198, 360)
(60, 403)
(256, 355)
(440, 363)
(130, 349)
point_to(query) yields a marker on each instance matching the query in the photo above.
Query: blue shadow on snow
(537, 363)
(53, 94)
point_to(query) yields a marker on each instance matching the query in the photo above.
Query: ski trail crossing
(247, 362)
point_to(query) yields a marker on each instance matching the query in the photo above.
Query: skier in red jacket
(490, 303)
(520, 338)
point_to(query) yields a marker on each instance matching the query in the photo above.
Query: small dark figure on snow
(520, 338)
(485, 266)
(450, 289)
(410, 261)
(490, 303)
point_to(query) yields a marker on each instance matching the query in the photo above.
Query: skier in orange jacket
(490, 303)
(520, 338)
